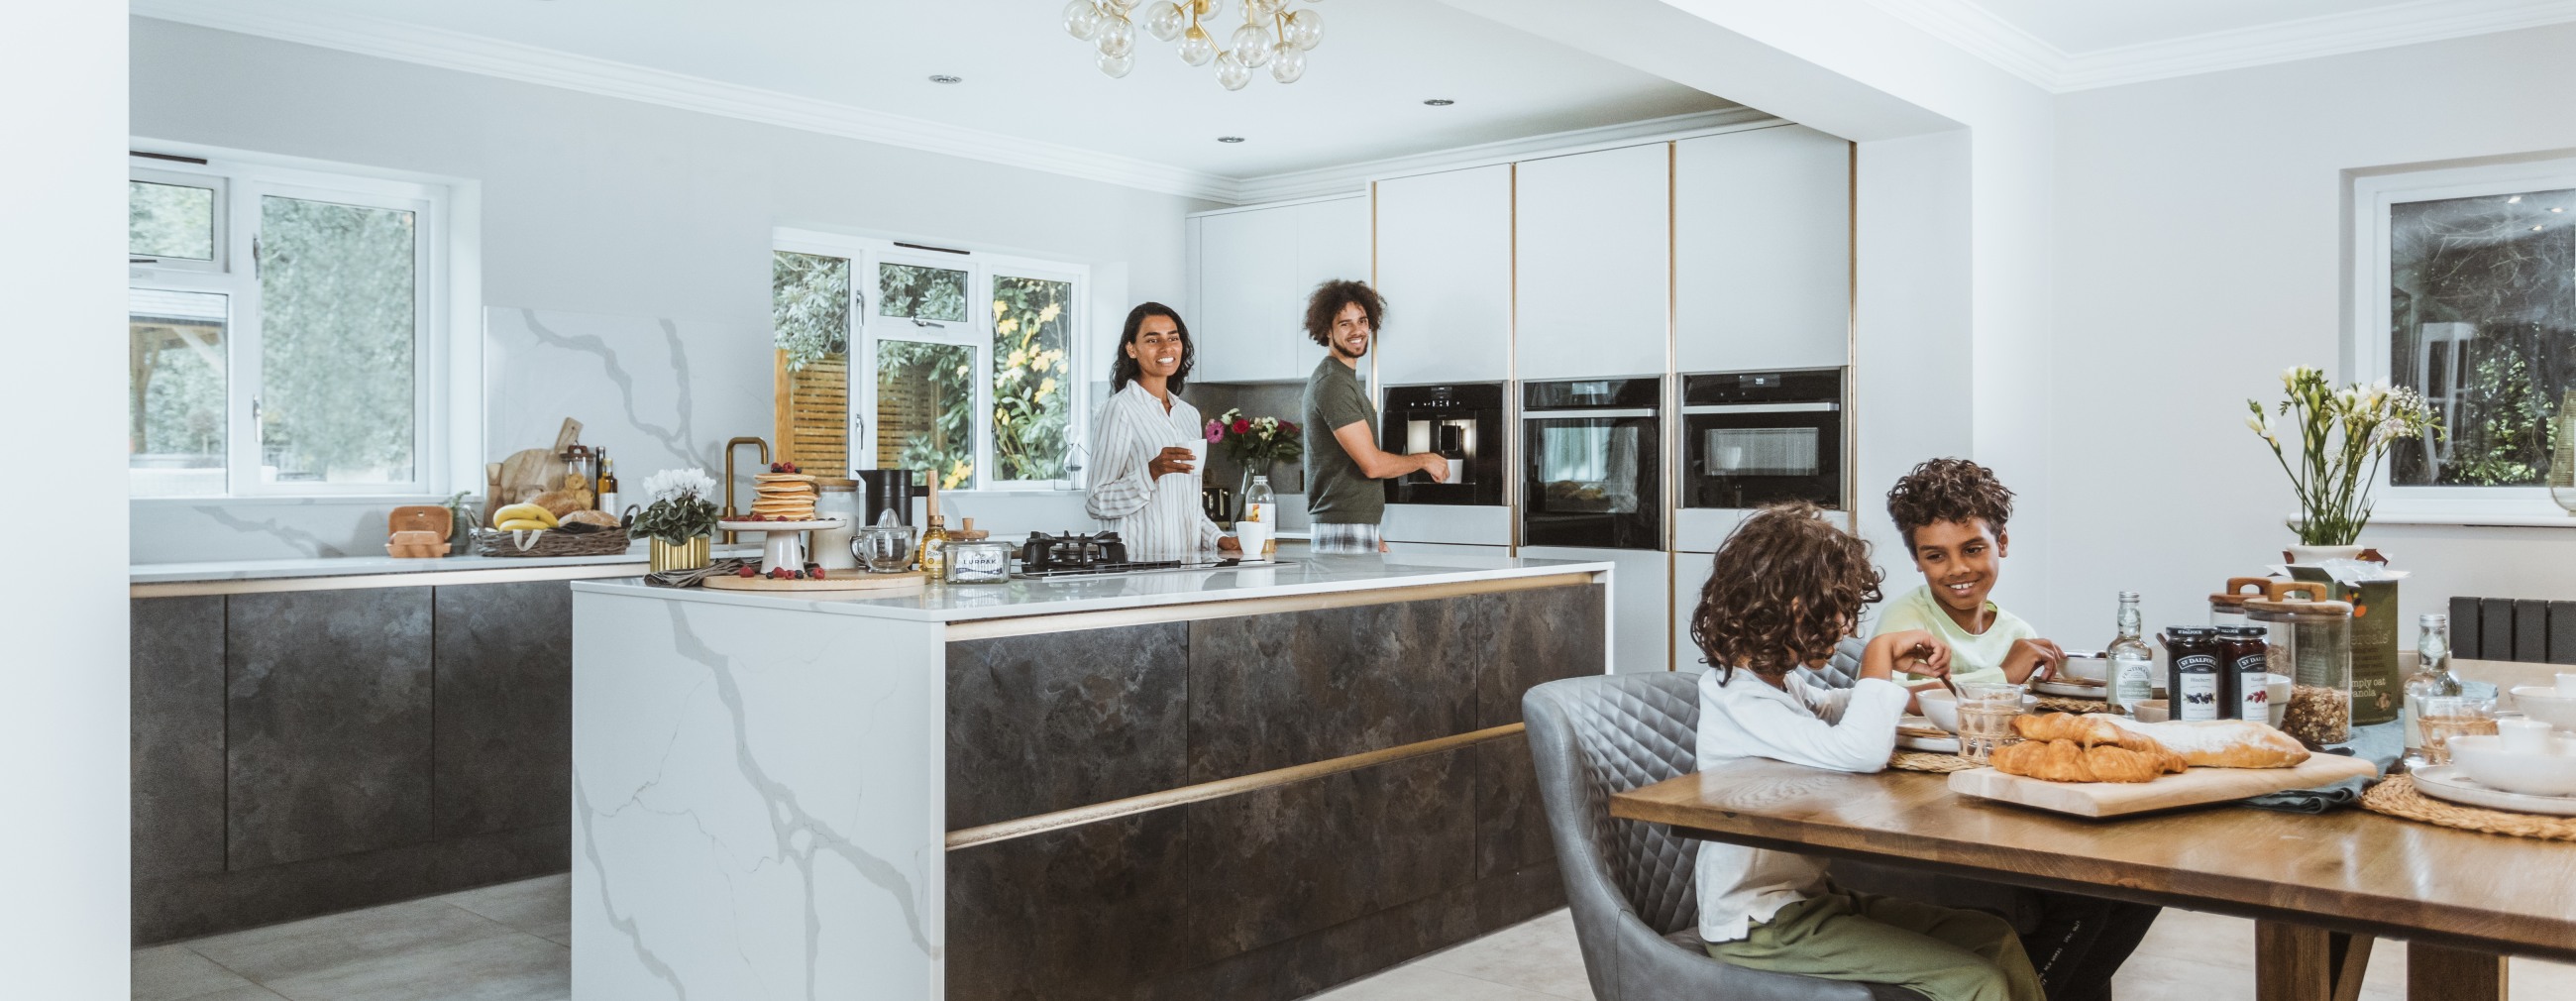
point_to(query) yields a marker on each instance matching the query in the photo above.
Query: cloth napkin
(691, 578)
(2380, 744)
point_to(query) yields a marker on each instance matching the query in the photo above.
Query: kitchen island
(1240, 783)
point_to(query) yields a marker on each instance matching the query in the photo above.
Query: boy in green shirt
(1952, 514)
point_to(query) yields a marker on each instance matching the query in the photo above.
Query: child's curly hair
(1786, 586)
(1942, 490)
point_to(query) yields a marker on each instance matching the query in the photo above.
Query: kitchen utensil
(532, 471)
(887, 490)
(1941, 706)
(2543, 703)
(884, 548)
(2551, 772)
(2191, 788)
(2450, 784)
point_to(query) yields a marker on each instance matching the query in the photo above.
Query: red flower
(1242, 426)
(1287, 427)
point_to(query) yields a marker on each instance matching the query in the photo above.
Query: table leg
(2435, 973)
(2299, 963)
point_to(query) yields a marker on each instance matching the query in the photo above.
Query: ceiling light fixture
(1229, 139)
(1439, 102)
(2512, 200)
(945, 78)
(1271, 35)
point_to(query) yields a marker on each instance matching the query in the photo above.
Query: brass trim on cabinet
(1851, 340)
(1512, 499)
(1672, 394)
(1031, 625)
(969, 837)
(353, 582)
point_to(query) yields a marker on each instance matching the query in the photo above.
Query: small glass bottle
(1261, 506)
(2133, 662)
(607, 483)
(2432, 679)
(934, 549)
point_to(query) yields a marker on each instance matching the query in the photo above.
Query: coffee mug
(1198, 454)
(1253, 536)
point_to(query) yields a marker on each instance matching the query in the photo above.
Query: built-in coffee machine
(1464, 423)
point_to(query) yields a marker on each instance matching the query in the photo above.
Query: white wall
(628, 215)
(62, 285)
(2200, 249)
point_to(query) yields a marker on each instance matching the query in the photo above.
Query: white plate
(1939, 745)
(2061, 688)
(2448, 783)
(816, 525)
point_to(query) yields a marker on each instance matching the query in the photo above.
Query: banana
(524, 525)
(523, 512)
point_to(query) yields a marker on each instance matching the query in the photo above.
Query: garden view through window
(2482, 321)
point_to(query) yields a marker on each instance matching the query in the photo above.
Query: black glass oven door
(1591, 480)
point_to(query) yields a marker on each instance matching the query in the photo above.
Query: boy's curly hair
(1784, 588)
(1948, 490)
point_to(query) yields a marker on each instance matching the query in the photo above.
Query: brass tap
(760, 443)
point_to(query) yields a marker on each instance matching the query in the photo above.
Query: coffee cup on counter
(1254, 537)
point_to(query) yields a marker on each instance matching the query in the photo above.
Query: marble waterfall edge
(764, 825)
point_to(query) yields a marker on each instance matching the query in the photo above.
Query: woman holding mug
(1147, 483)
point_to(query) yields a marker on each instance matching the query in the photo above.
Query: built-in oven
(1590, 455)
(1464, 424)
(1756, 438)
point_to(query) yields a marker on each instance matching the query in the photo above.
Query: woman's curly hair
(1942, 490)
(1786, 586)
(1328, 301)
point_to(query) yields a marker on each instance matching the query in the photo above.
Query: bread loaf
(2225, 743)
(602, 519)
(560, 502)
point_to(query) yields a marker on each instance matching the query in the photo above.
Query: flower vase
(2313, 555)
(694, 554)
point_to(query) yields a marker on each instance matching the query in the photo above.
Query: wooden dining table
(2320, 887)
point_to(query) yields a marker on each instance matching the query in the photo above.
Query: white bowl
(2276, 696)
(2089, 668)
(2543, 703)
(1941, 707)
(2486, 760)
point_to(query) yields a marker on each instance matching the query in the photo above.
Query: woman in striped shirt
(1147, 487)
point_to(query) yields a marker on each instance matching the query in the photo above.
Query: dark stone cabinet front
(177, 736)
(502, 748)
(327, 720)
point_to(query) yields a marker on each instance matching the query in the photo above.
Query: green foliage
(947, 372)
(1030, 411)
(2506, 435)
(809, 297)
(182, 388)
(1260, 440)
(676, 520)
(170, 220)
(926, 293)
(336, 340)
(2340, 430)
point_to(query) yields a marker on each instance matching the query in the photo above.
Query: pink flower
(1215, 431)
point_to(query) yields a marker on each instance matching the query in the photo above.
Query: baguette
(2225, 743)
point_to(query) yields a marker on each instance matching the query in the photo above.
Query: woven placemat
(1929, 761)
(2060, 703)
(2397, 797)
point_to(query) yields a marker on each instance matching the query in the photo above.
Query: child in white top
(1785, 587)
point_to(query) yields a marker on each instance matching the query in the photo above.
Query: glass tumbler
(2448, 716)
(1986, 719)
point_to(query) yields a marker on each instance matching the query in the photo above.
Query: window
(279, 327)
(2467, 293)
(965, 361)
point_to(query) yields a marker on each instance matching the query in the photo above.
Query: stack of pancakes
(783, 496)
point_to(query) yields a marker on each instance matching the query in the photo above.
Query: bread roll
(602, 519)
(560, 502)
(2225, 743)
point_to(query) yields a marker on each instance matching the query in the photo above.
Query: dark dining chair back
(1629, 884)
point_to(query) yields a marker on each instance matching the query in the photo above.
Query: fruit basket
(574, 540)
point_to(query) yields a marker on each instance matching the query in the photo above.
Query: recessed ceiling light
(2558, 210)
(945, 78)
(2513, 199)
(2535, 229)
(1229, 139)
(1439, 102)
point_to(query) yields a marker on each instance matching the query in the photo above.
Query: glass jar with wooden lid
(2310, 642)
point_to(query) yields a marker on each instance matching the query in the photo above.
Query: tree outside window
(2483, 323)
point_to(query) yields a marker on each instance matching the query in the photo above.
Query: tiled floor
(509, 943)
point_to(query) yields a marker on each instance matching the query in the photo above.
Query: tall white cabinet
(1761, 250)
(1444, 263)
(1252, 270)
(1594, 238)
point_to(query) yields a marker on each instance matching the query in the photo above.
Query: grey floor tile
(1417, 982)
(510, 967)
(245, 992)
(540, 906)
(298, 948)
(176, 972)
(1536, 955)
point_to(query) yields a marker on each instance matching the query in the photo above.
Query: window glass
(1031, 390)
(170, 220)
(926, 409)
(337, 317)
(2483, 322)
(921, 292)
(809, 298)
(175, 400)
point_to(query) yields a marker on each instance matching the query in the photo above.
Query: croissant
(2090, 730)
(2068, 761)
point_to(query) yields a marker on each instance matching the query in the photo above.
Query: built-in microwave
(1756, 438)
(1590, 453)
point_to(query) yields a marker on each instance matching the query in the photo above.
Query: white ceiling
(2094, 25)
(1026, 79)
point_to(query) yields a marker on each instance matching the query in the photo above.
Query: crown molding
(1981, 33)
(1349, 178)
(444, 49)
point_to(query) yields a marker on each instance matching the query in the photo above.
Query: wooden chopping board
(2191, 788)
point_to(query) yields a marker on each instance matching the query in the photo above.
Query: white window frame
(447, 390)
(2366, 343)
(976, 332)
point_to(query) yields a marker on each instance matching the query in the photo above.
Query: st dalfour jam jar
(981, 561)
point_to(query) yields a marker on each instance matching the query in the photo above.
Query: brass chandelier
(1271, 35)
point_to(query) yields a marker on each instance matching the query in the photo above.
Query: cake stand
(785, 540)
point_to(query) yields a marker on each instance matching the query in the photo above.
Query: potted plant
(680, 520)
(2343, 433)
(1255, 443)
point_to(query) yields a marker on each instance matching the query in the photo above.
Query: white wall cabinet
(1253, 269)
(1761, 250)
(1594, 237)
(1444, 263)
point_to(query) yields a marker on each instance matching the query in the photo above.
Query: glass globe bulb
(1261, 10)
(1203, 8)
(1116, 66)
(1196, 47)
(1121, 6)
(1231, 71)
(1287, 63)
(1082, 19)
(1117, 36)
(1249, 45)
(1165, 20)
(1305, 29)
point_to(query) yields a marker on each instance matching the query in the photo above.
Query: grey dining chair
(1636, 915)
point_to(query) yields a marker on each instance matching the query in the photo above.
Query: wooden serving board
(2191, 788)
(855, 581)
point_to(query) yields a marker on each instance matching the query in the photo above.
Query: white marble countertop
(341, 566)
(1307, 575)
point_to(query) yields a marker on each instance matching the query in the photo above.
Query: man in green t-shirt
(1343, 462)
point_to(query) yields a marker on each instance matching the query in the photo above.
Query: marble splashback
(657, 392)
